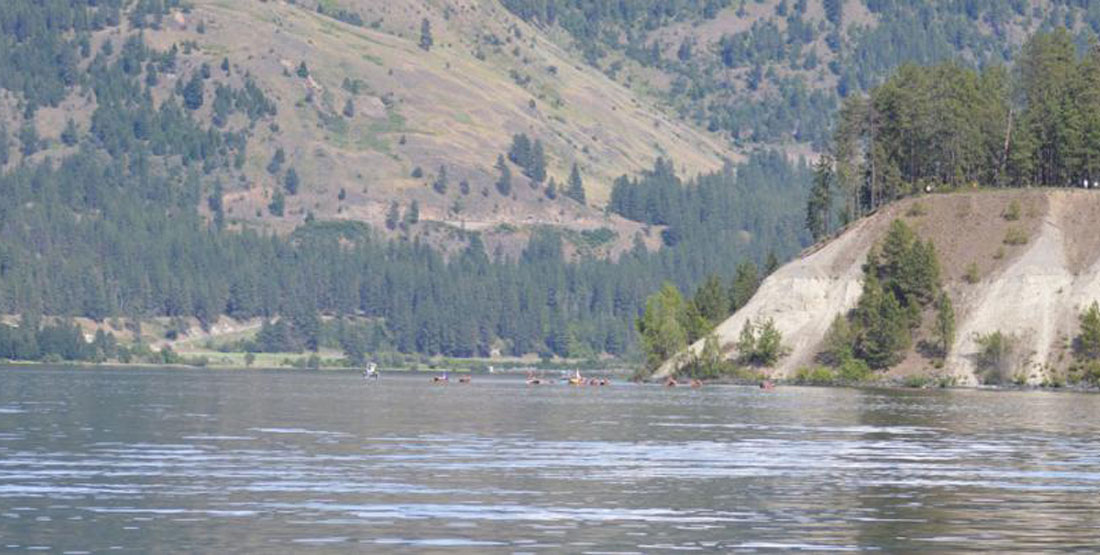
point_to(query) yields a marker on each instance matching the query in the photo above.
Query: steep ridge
(457, 104)
(1032, 292)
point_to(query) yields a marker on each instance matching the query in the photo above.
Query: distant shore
(467, 368)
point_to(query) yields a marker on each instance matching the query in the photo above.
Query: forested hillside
(119, 158)
(471, 178)
(775, 71)
(951, 136)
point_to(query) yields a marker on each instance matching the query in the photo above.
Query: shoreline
(519, 372)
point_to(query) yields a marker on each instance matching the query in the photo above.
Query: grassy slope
(447, 105)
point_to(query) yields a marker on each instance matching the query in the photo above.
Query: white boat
(371, 372)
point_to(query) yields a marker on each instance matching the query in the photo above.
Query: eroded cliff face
(802, 297)
(1039, 295)
(1033, 292)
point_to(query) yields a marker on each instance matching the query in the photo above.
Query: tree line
(946, 125)
(782, 77)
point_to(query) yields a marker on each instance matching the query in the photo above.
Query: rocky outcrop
(1033, 292)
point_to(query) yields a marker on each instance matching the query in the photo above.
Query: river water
(96, 459)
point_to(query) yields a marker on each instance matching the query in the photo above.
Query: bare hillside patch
(970, 228)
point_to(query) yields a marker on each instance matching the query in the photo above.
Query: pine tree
(552, 190)
(215, 203)
(70, 135)
(536, 169)
(303, 70)
(193, 93)
(769, 345)
(945, 324)
(28, 136)
(746, 342)
(771, 263)
(277, 204)
(291, 181)
(709, 361)
(1087, 343)
(504, 182)
(426, 41)
(661, 328)
(694, 323)
(440, 182)
(575, 189)
(276, 162)
(151, 77)
(834, 11)
(393, 216)
(711, 300)
(349, 109)
(820, 202)
(745, 282)
(5, 146)
(883, 325)
(520, 151)
(837, 345)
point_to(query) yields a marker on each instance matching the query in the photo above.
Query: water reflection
(92, 459)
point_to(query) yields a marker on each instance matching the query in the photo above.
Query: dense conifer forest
(781, 78)
(120, 211)
(111, 226)
(1036, 123)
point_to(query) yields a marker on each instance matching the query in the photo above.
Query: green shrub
(971, 275)
(598, 237)
(761, 343)
(1054, 381)
(853, 370)
(917, 381)
(1015, 236)
(1012, 213)
(922, 381)
(996, 357)
(819, 375)
(916, 209)
(836, 348)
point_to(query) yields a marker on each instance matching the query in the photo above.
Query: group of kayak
(767, 385)
(671, 382)
(444, 378)
(575, 379)
(371, 373)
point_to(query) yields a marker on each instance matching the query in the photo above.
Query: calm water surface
(179, 460)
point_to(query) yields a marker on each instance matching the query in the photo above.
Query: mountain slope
(487, 77)
(1032, 292)
(772, 71)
